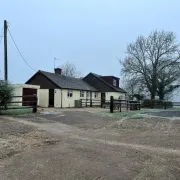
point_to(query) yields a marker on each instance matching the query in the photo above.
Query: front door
(103, 97)
(51, 97)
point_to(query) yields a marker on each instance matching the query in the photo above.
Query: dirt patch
(17, 137)
(95, 147)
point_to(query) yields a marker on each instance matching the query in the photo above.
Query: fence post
(111, 104)
(86, 101)
(165, 105)
(120, 106)
(35, 104)
(139, 105)
(80, 102)
(91, 102)
(127, 105)
(101, 103)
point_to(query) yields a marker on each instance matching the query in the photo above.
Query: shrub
(148, 103)
(6, 93)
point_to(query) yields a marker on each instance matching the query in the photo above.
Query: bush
(148, 103)
(6, 94)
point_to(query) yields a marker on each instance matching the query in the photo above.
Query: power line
(20, 51)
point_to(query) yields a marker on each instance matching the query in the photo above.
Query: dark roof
(67, 82)
(115, 88)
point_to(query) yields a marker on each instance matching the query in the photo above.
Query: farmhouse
(57, 90)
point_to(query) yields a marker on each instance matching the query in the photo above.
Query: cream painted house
(107, 86)
(57, 90)
(60, 91)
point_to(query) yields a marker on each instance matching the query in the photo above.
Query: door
(28, 91)
(103, 97)
(51, 97)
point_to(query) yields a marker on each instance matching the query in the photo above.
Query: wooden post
(127, 105)
(165, 105)
(101, 103)
(111, 104)
(5, 52)
(120, 106)
(86, 101)
(35, 104)
(91, 102)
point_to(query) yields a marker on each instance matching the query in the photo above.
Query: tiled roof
(67, 82)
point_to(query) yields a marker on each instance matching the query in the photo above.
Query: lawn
(16, 111)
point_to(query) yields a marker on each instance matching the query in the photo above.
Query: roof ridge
(59, 74)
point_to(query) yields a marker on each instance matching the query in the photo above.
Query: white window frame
(114, 82)
(81, 93)
(70, 93)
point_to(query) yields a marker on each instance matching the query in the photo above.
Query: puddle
(50, 113)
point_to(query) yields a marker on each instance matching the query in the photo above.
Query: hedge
(148, 103)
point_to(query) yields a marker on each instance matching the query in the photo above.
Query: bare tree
(69, 69)
(148, 57)
(168, 81)
(133, 86)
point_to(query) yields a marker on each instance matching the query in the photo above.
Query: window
(96, 95)
(70, 93)
(81, 93)
(114, 82)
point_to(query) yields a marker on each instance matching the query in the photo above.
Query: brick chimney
(58, 71)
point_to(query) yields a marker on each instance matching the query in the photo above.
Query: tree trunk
(161, 95)
(152, 96)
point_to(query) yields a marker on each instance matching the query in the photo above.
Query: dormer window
(114, 82)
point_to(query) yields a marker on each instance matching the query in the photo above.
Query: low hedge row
(148, 103)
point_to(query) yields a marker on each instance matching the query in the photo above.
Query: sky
(92, 34)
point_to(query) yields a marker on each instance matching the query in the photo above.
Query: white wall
(18, 91)
(43, 98)
(69, 101)
(115, 95)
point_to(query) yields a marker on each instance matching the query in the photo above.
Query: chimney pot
(58, 71)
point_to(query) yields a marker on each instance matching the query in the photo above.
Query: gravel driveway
(95, 147)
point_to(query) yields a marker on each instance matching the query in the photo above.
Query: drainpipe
(61, 98)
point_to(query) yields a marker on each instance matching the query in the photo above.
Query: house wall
(43, 98)
(69, 101)
(18, 91)
(115, 95)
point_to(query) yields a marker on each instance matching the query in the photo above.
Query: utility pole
(5, 52)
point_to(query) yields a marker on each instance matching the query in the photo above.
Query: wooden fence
(91, 103)
(27, 101)
(119, 104)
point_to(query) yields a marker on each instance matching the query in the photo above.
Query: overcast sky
(93, 34)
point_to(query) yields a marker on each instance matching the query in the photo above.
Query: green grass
(129, 114)
(16, 111)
